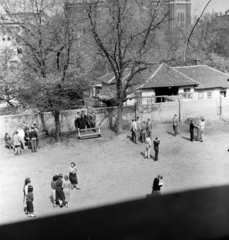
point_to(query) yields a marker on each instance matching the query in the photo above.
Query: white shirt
(21, 133)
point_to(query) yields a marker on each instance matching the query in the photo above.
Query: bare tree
(127, 35)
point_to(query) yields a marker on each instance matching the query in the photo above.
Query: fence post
(180, 110)
(220, 105)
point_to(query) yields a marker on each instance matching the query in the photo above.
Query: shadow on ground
(198, 214)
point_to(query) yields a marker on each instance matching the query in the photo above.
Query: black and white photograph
(114, 119)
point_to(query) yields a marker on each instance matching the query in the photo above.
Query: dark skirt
(60, 194)
(30, 207)
(73, 178)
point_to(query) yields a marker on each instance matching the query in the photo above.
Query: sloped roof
(206, 76)
(165, 76)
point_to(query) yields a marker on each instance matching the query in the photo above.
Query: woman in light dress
(66, 188)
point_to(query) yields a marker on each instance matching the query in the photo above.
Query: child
(29, 202)
(25, 191)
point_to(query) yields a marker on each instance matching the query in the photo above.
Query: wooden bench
(87, 134)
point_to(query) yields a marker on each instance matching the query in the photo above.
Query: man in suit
(175, 125)
(148, 146)
(191, 130)
(149, 127)
(156, 143)
(138, 129)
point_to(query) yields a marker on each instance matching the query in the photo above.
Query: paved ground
(112, 169)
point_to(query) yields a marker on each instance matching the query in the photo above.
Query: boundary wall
(106, 117)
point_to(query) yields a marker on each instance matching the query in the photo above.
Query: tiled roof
(165, 76)
(206, 76)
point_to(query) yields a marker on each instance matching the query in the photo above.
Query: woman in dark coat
(73, 177)
(156, 191)
(59, 191)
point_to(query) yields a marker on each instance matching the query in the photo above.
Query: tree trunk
(43, 124)
(57, 124)
(119, 116)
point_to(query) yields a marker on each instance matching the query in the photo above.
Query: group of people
(142, 131)
(200, 130)
(83, 121)
(61, 186)
(23, 137)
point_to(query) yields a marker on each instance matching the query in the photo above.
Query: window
(187, 89)
(200, 95)
(223, 93)
(209, 95)
(8, 38)
(3, 39)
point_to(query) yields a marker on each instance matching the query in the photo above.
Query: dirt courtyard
(112, 169)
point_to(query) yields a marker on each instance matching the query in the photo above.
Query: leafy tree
(55, 62)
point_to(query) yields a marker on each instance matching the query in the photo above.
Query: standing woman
(66, 187)
(73, 177)
(59, 191)
(25, 191)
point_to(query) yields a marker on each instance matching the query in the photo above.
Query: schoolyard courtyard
(112, 169)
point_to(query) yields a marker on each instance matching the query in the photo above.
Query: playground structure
(89, 133)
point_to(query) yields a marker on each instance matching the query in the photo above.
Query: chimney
(197, 61)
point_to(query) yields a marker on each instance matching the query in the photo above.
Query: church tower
(179, 13)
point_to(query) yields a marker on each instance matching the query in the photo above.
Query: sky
(214, 5)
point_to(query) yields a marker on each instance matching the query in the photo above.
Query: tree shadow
(170, 133)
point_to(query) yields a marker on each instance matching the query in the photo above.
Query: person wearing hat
(25, 191)
(156, 191)
(29, 202)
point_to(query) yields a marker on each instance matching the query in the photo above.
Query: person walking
(175, 125)
(53, 186)
(73, 176)
(156, 191)
(148, 146)
(17, 144)
(29, 202)
(33, 139)
(60, 198)
(25, 194)
(149, 127)
(66, 188)
(191, 130)
(156, 143)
